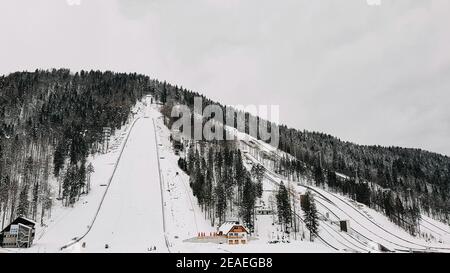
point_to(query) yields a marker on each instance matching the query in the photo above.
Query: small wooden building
(19, 234)
(234, 232)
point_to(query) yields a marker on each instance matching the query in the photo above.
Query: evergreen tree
(310, 214)
(58, 158)
(248, 202)
(318, 175)
(257, 172)
(284, 206)
(23, 207)
(221, 202)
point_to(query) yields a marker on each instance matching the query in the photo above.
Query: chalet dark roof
(20, 220)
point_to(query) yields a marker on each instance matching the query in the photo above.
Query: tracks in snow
(330, 206)
(111, 178)
(78, 239)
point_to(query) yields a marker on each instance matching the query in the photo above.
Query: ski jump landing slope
(131, 216)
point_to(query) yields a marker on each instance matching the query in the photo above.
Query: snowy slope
(130, 219)
(185, 219)
(183, 214)
(67, 223)
(131, 208)
(140, 199)
(369, 228)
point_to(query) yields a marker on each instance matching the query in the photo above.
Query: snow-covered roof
(20, 220)
(227, 226)
(27, 219)
(342, 175)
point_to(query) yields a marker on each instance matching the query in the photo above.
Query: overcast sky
(368, 74)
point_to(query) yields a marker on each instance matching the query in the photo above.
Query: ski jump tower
(148, 103)
(106, 137)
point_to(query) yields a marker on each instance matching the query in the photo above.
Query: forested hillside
(50, 121)
(220, 181)
(400, 182)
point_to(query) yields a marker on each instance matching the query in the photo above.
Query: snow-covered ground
(130, 209)
(131, 217)
(66, 223)
(133, 207)
(369, 228)
(185, 219)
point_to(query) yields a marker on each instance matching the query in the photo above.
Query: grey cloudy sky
(368, 74)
